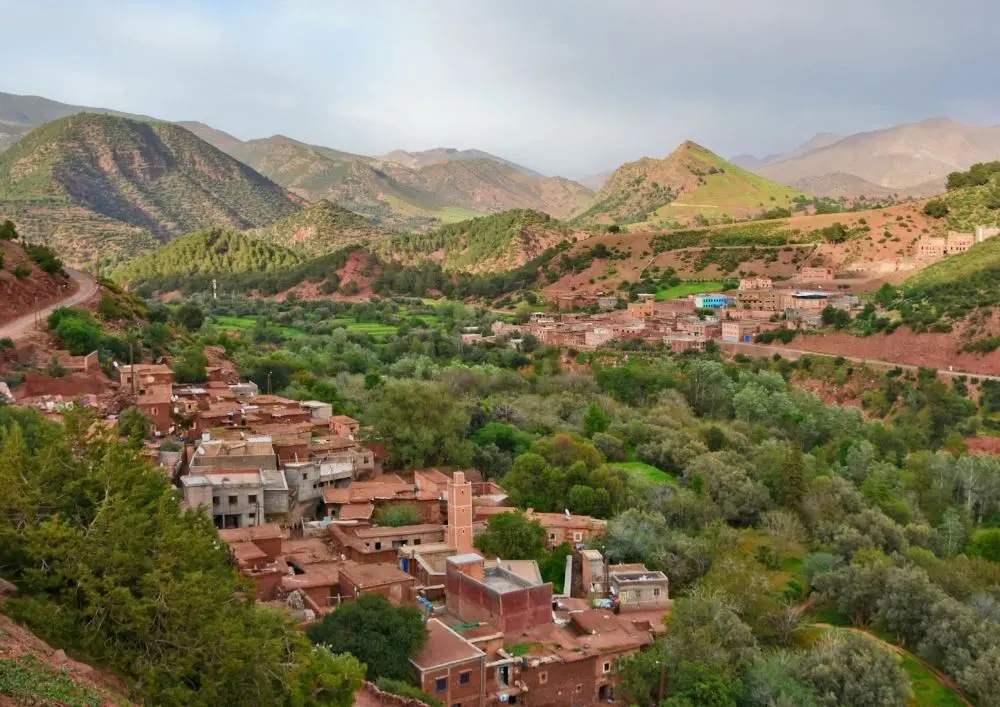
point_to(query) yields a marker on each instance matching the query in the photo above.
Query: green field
(927, 689)
(688, 288)
(373, 328)
(245, 323)
(646, 471)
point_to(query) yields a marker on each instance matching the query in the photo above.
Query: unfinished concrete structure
(485, 592)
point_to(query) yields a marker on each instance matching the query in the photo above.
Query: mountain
(217, 138)
(691, 183)
(816, 142)
(19, 115)
(596, 182)
(910, 158)
(495, 243)
(440, 155)
(214, 250)
(81, 182)
(321, 228)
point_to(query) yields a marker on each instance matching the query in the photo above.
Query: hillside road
(86, 288)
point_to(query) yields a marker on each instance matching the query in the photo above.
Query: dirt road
(86, 287)
(795, 354)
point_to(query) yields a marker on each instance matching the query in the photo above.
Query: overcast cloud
(563, 86)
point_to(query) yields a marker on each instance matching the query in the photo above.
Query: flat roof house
(450, 668)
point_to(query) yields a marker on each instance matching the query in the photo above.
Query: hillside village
(292, 425)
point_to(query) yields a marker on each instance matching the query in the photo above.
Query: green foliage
(595, 420)
(189, 316)
(44, 257)
(936, 208)
(21, 271)
(55, 368)
(977, 175)
(398, 515)
(512, 536)
(27, 681)
(985, 543)
(382, 636)
(76, 330)
(109, 566)
(8, 232)
(422, 425)
(189, 366)
(210, 251)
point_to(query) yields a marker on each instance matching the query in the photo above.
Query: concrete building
(318, 411)
(637, 589)
(764, 300)
(679, 343)
(711, 300)
(756, 283)
(607, 304)
(985, 232)
(141, 376)
(450, 668)
(644, 308)
(932, 247)
(739, 331)
(234, 497)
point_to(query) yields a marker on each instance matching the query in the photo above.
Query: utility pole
(269, 382)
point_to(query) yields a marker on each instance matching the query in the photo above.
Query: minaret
(459, 531)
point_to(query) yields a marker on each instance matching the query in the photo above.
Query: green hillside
(487, 244)
(157, 177)
(691, 184)
(973, 198)
(321, 228)
(211, 251)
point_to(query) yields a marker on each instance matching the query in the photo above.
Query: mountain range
(904, 160)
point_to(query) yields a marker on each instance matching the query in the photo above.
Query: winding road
(86, 288)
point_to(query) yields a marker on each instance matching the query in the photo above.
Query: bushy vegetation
(977, 175)
(111, 567)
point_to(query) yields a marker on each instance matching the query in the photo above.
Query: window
(578, 688)
(416, 541)
(656, 591)
(252, 498)
(215, 500)
(543, 677)
(253, 516)
(465, 678)
(305, 475)
(378, 546)
(607, 666)
(441, 684)
(552, 536)
(577, 537)
(233, 500)
(637, 594)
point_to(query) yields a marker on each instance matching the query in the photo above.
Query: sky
(570, 87)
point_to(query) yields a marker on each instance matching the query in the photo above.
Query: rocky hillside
(321, 228)
(214, 250)
(908, 159)
(692, 183)
(23, 284)
(127, 174)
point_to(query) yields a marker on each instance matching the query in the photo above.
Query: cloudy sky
(564, 86)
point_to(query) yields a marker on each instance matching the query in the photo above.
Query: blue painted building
(712, 300)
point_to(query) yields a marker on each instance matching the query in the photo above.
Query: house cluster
(931, 247)
(690, 323)
(498, 632)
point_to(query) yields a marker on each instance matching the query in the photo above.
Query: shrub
(936, 208)
(7, 231)
(21, 271)
(396, 516)
(405, 689)
(44, 257)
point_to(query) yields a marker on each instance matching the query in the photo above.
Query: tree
(422, 424)
(848, 669)
(189, 316)
(784, 529)
(382, 636)
(398, 515)
(986, 544)
(79, 336)
(8, 232)
(595, 420)
(133, 425)
(190, 366)
(936, 208)
(512, 536)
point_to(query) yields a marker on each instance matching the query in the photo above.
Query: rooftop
(373, 575)
(320, 574)
(444, 647)
(252, 447)
(269, 531)
(384, 532)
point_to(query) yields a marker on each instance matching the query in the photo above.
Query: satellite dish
(201, 450)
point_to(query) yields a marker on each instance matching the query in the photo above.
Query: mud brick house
(141, 376)
(367, 545)
(816, 274)
(393, 492)
(492, 594)
(156, 403)
(449, 668)
(559, 527)
(345, 426)
(253, 452)
(386, 579)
